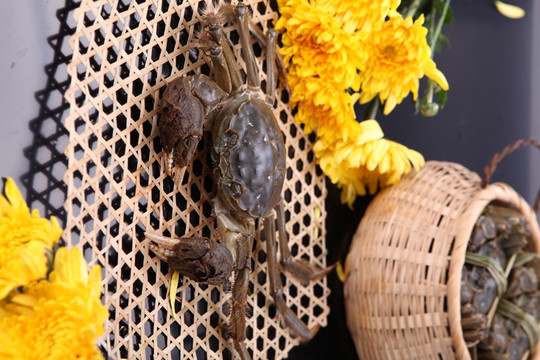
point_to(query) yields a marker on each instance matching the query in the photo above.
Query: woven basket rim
(499, 192)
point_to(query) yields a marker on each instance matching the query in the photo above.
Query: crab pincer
(198, 258)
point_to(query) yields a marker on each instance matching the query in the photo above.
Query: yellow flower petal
(23, 299)
(172, 292)
(5, 207)
(397, 57)
(13, 194)
(510, 11)
(371, 130)
(379, 151)
(57, 319)
(25, 238)
(437, 76)
(69, 267)
(332, 47)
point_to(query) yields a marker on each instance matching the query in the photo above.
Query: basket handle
(492, 164)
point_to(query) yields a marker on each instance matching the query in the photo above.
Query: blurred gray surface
(24, 28)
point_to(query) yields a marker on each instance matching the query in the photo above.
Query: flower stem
(431, 26)
(437, 32)
(371, 111)
(413, 8)
(431, 88)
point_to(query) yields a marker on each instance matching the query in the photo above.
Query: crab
(499, 314)
(249, 158)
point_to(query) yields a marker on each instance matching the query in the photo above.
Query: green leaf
(439, 5)
(442, 42)
(449, 16)
(443, 95)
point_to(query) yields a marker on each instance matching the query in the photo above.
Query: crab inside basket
(410, 253)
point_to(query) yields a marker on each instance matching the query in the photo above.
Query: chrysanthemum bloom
(317, 44)
(322, 105)
(368, 161)
(398, 56)
(57, 319)
(365, 15)
(358, 16)
(24, 240)
(325, 49)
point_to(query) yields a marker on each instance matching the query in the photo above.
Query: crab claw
(198, 258)
(183, 115)
(174, 172)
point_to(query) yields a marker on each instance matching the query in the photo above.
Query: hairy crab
(500, 287)
(249, 158)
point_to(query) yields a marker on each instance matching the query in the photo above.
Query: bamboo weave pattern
(124, 52)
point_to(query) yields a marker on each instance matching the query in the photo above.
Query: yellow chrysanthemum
(367, 161)
(358, 16)
(57, 319)
(322, 105)
(24, 240)
(398, 56)
(365, 15)
(330, 47)
(317, 44)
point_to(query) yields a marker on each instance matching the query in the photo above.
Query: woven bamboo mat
(124, 52)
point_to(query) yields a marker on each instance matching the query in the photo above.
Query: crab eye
(215, 51)
(213, 27)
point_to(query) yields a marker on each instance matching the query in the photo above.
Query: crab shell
(249, 156)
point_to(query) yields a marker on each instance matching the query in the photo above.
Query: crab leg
(237, 236)
(276, 288)
(237, 326)
(259, 34)
(242, 350)
(221, 71)
(300, 269)
(216, 34)
(231, 13)
(241, 20)
(238, 311)
(271, 39)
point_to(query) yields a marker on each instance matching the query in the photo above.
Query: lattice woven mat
(124, 52)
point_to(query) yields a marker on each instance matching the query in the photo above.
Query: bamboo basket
(124, 53)
(402, 290)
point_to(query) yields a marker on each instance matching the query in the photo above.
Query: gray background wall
(24, 52)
